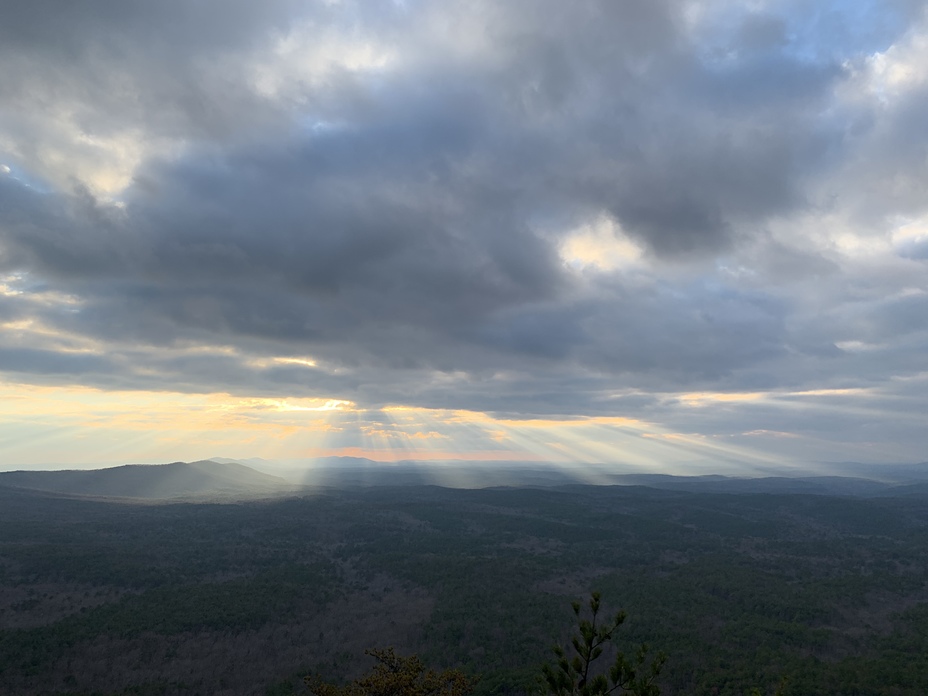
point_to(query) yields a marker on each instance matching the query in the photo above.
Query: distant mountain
(254, 478)
(815, 485)
(349, 472)
(153, 482)
(890, 473)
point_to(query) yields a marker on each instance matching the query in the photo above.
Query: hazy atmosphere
(682, 236)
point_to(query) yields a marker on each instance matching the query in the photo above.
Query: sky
(675, 235)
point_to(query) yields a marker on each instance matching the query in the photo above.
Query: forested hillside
(242, 598)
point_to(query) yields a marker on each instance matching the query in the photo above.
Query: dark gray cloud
(196, 189)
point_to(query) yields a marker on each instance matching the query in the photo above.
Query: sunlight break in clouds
(98, 427)
(673, 236)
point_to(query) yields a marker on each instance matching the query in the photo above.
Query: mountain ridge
(202, 478)
(225, 478)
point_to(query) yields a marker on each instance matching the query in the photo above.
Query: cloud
(524, 208)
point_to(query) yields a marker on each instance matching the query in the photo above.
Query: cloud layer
(530, 208)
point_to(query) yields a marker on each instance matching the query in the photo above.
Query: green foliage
(741, 590)
(394, 675)
(577, 675)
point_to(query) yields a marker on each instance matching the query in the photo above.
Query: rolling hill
(153, 482)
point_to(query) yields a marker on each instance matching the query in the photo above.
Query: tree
(394, 675)
(577, 675)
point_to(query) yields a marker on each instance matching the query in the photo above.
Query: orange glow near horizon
(85, 426)
(393, 456)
